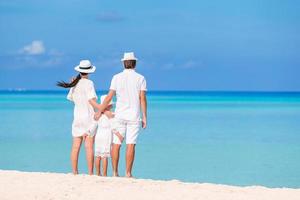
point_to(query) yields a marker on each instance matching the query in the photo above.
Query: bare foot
(115, 174)
(129, 176)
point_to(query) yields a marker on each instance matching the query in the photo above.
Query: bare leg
(104, 166)
(115, 158)
(130, 151)
(89, 142)
(75, 153)
(97, 165)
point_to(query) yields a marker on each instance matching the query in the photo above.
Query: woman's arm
(94, 103)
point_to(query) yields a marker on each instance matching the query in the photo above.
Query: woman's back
(83, 110)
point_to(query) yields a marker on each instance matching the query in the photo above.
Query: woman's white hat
(85, 66)
(129, 56)
(102, 98)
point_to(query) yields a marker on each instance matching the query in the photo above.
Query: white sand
(33, 185)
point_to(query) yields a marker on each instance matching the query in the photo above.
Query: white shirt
(128, 85)
(83, 111)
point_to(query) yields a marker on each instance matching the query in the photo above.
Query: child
(103, 139)
(82, 93)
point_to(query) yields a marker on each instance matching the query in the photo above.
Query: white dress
(103, 137)
(83, 122)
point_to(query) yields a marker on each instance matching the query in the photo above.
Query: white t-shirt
(83, 111)
(128, 85)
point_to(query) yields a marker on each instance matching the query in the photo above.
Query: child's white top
(128, 85)
(83, 111)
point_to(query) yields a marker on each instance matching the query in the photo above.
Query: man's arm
(101, 107)
(107, 100)
(143, 101)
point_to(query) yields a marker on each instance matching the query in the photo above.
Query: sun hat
(129, 56)
(85, 66)
(102, 98)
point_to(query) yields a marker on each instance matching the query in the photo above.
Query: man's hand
(97, 116)
(144, 122)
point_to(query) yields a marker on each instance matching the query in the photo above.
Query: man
(130, 90)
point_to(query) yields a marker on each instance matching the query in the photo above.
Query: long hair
(72, 83)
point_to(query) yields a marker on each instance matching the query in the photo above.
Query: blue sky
(181, 45)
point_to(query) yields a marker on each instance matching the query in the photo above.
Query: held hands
(97, 116)
(144, 123)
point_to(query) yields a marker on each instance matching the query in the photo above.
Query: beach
(40, 185)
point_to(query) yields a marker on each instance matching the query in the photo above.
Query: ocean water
(235, 138)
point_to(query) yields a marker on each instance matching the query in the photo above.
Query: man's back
(128, 85)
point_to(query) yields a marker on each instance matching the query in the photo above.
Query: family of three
(102, 130)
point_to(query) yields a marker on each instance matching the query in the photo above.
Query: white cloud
(168, 66)
(35, 48)
(107, 63)
(54, 52)
(29, 61)
(190, 64)
(34, 55)
(109, 17)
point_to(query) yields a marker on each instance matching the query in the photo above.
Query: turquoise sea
(236, 138)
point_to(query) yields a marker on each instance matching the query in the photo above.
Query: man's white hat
(129, 56)
(102, 99)
(85, 66)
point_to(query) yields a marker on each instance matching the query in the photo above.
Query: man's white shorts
(130, 129)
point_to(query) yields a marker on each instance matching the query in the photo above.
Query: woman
(82, 93)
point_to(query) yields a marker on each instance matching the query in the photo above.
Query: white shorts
(130, 129)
